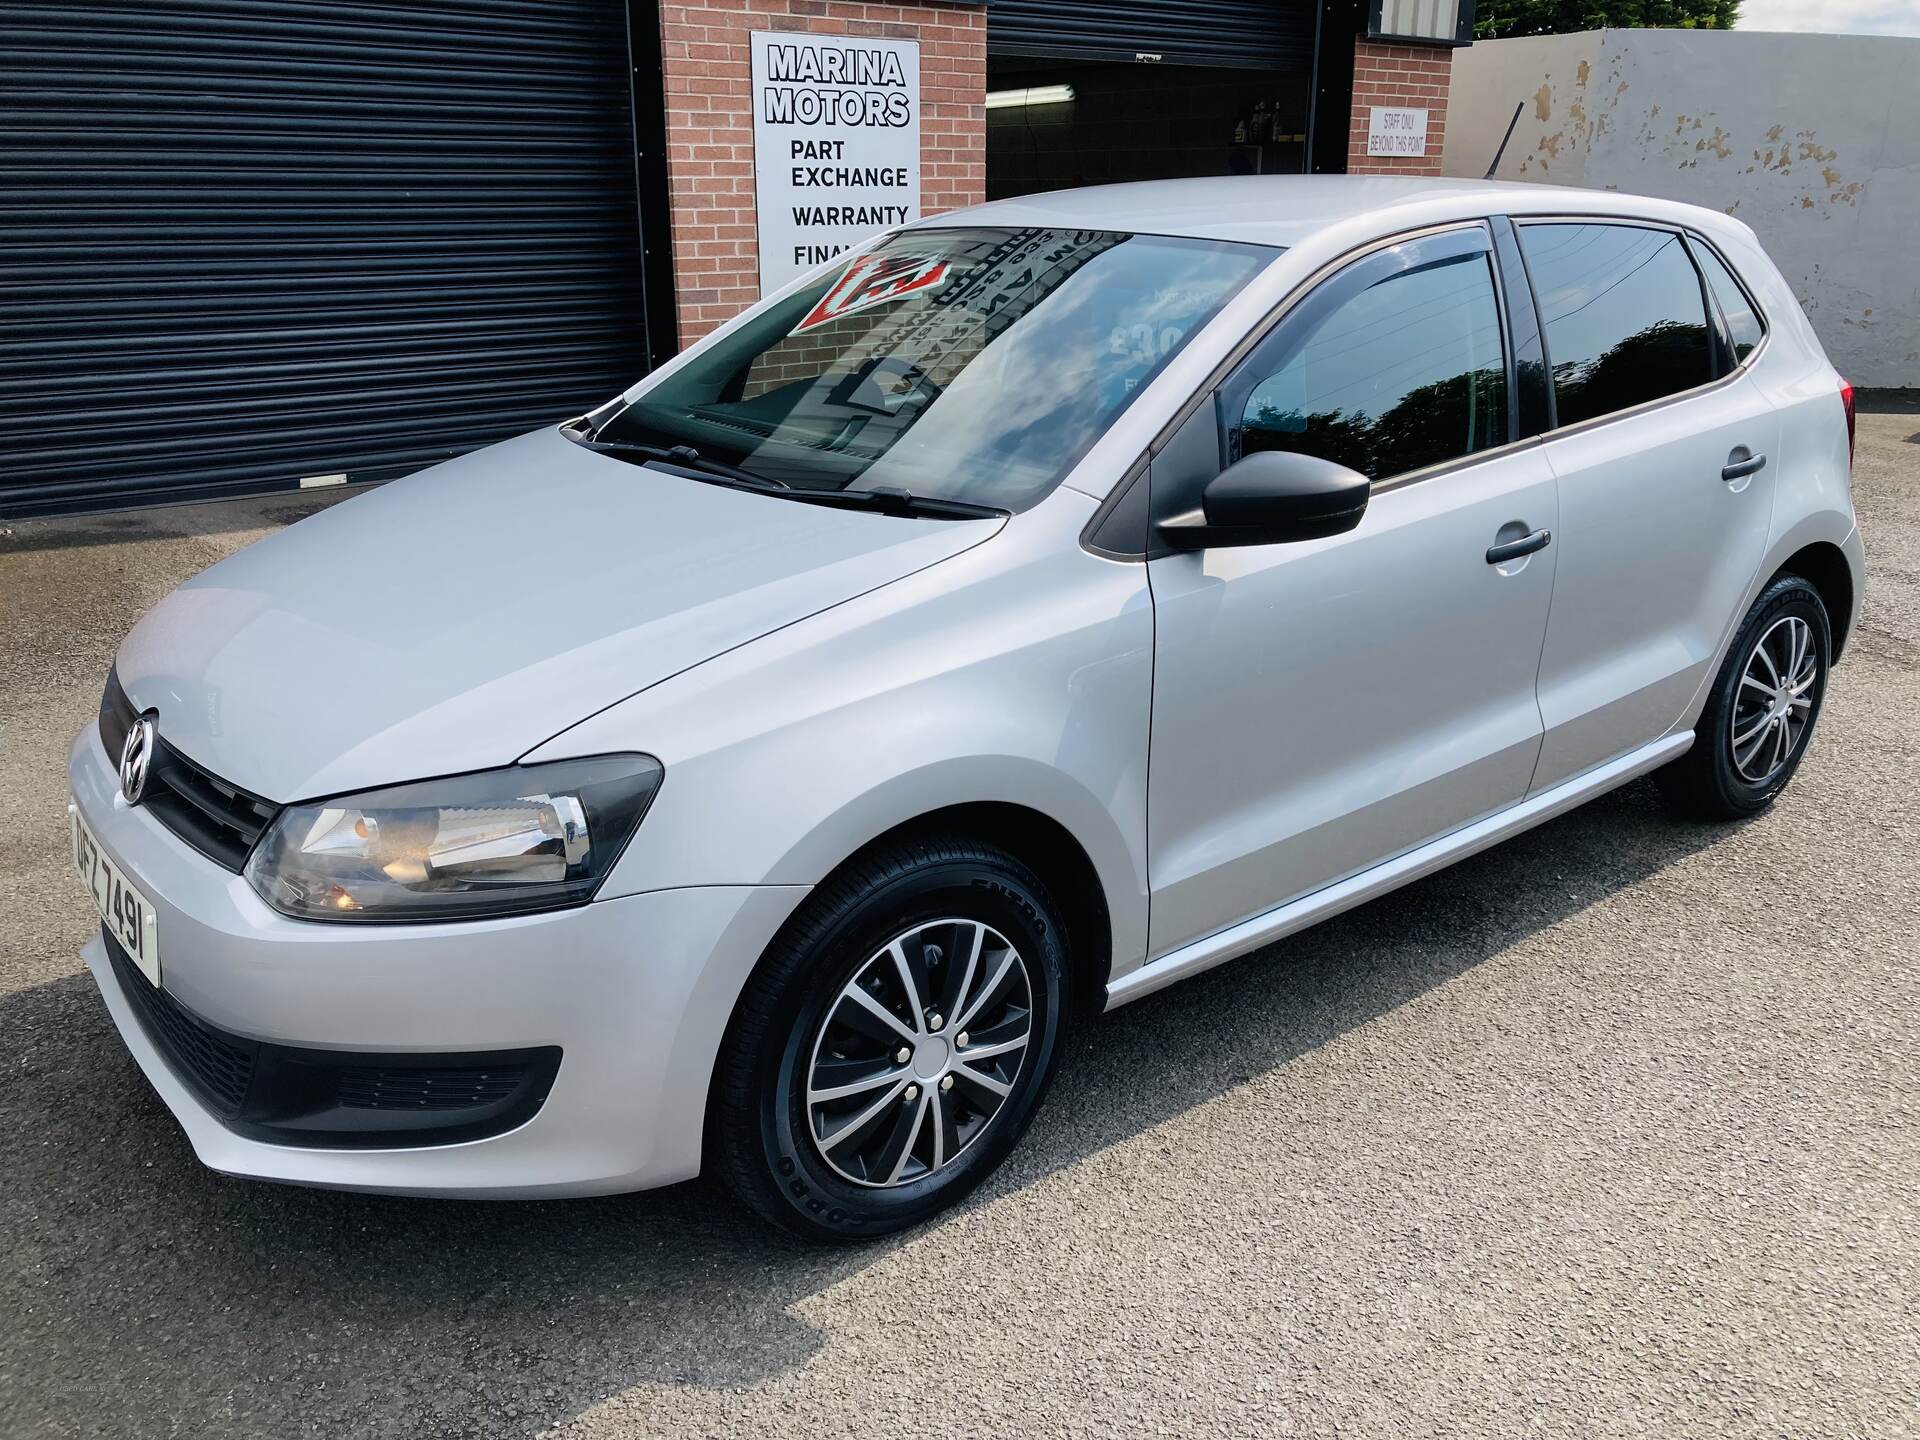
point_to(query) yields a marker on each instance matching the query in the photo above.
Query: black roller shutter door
(253, 241)
(1257, 34)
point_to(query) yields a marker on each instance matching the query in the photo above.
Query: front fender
(1005, 779)
(1019, 672)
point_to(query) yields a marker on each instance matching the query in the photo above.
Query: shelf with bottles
(1268, 123)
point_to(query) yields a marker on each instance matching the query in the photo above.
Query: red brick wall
(1413, 75)
(708, 68)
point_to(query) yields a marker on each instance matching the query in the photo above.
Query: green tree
(1497, 19)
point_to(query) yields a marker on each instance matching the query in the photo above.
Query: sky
(1834, 17)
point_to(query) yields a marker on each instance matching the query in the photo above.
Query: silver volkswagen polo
(761, 773)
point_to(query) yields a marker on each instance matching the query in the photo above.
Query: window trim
(1581, 427)
(1695, 239)
(1257, 335)
(1140, 471)
(1125, 549)
(1518, 289)
(1283, 307)
(1509, 352)
(1273, 332)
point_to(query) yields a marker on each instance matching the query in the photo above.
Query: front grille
(220, 820)
(116, 716)
(218, 1065)
(415, 1089)
(290, 1095)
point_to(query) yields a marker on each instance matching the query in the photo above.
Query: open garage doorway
(1055, 124)
(1146, 90)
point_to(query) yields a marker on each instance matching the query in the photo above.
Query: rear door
(1323, 705)
(1663, 519)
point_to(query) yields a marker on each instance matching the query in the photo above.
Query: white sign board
(1392, 131)
(836, 145)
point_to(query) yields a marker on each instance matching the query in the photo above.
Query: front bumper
(634, 992)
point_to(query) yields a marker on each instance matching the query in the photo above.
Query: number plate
(128, 913)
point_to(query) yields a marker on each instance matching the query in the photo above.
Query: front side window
(1744, 329)
(974, 364)
(1406, 373)
(1624, 316)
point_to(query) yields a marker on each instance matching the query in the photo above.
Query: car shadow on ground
(219, 1306)
(209, 520)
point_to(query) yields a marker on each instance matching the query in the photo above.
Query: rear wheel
(1760, 715)
(895, 1043)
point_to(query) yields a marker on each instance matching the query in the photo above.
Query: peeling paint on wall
(1813, 140)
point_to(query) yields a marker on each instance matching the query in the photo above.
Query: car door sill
(1250, 935)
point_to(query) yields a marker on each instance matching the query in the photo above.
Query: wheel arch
(1823, 565)
(1037, 839)
(1053, 852)
(1042, 813)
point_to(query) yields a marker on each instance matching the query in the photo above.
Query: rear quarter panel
(1813, 488)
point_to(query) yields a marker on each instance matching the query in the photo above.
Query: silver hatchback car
(761, 773)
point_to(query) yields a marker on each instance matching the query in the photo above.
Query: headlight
(530, 837)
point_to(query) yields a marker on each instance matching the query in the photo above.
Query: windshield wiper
(687, 458)
(888, 500)
(883, 499)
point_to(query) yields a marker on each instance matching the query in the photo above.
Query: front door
(1324, 705)
(1661, 533)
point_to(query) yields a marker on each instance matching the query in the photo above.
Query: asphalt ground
(1613, 1130)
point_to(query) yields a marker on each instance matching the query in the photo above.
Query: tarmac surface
(1613, 1130)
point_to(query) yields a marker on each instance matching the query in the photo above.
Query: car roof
(1287, 209)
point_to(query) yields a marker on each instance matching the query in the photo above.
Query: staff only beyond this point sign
(836, 145)
(1395, 131)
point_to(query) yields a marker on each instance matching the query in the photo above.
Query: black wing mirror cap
(1270, 498)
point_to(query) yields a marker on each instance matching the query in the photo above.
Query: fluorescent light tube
(1037, 95)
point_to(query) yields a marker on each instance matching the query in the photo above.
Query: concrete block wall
(1813, 140)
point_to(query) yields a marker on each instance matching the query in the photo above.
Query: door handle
(1741, 464)
(1514, 549)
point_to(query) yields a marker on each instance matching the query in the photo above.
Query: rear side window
(1744, 329)
(1405, 374)
(1625, 319)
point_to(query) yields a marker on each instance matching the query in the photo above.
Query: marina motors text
(791, 69)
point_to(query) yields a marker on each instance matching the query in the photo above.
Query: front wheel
(1760, 715)
(894, 1044)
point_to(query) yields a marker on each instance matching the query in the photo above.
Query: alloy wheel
(1774, 702)
(918, 1052)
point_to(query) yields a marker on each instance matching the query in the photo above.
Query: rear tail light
(1846, 403)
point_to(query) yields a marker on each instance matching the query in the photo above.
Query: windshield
(975, 365)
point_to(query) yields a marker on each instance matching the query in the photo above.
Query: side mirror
(1271, 497)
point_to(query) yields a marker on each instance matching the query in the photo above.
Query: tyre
(893, 1045)
(1762, 710)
